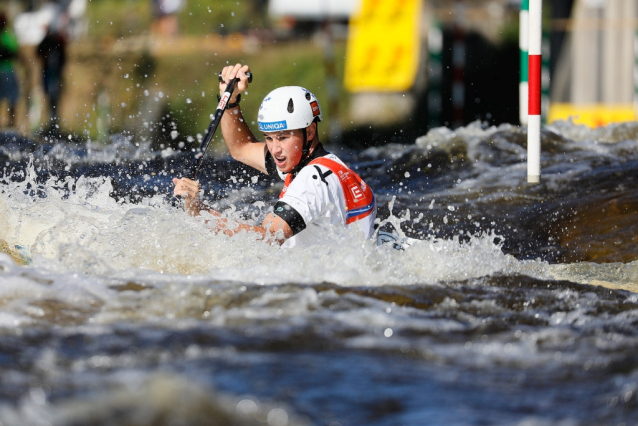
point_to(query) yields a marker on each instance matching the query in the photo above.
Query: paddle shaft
(212, 127)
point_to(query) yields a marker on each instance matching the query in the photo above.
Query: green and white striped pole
(523, 44)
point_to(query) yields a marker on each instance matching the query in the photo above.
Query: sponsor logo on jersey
(357, 193)
(344, 175)
(273, 126)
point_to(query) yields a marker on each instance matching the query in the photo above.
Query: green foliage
(121, 18)
(187, 79)
(220, 16)
(118, 18)
(287, 64)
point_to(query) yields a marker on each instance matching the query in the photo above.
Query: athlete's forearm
(192, 206)
(231, 228)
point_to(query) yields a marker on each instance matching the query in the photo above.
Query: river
(508, 304)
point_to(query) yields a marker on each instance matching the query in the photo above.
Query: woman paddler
(318, 187)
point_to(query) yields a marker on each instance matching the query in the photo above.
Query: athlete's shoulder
(328, 161)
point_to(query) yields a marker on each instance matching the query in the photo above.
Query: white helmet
(288, 108)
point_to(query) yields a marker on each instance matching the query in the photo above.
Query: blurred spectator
(9, 88)
(52, 53)
(165, 14)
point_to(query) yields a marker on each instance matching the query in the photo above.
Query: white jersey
(316, 197)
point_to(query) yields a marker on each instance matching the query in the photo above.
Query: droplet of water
(247, 407)
(38, 396)
(277, 417)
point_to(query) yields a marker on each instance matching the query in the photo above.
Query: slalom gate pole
(534, 104)
(212, 127)
(523, 45)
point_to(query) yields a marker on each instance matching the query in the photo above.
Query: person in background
(9, 89)
(165, 17)
(52, 53)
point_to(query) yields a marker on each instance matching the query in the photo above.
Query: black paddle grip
(248, 74)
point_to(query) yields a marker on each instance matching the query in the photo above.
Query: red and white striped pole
(534, 95)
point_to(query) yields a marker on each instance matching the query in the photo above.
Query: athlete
(319, 189)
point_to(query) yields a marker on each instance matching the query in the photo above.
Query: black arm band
(290, 216)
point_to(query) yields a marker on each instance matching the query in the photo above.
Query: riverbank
(150, 87)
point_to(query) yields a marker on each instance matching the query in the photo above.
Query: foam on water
(76, 227)
(117, 291)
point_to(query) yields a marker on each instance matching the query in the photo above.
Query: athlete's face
(286, 148)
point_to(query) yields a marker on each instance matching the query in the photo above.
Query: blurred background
(383, 70)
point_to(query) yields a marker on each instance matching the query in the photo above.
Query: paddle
(212, 127)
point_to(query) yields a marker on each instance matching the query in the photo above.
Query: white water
(89, 233)
(108, 270)
(85, 246)
(85, 231)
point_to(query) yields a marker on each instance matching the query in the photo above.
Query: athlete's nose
(275, 147)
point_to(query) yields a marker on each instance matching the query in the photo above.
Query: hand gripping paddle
(212, 127)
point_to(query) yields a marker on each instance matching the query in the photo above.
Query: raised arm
(239, 139)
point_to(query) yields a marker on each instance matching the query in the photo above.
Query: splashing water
(498, 309)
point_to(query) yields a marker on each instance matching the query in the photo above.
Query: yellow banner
(384, 42)
(592, 115)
